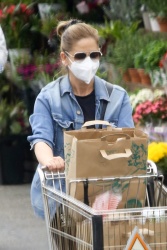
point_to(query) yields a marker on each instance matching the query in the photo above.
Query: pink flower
(148, 111)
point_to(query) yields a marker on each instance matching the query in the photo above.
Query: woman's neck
(80, 88)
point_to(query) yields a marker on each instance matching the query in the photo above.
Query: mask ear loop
(61, 72)
(68, 58)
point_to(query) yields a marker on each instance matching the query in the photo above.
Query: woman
(3, 50)
(71, 100)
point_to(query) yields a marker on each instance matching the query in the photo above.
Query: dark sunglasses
(94, 55)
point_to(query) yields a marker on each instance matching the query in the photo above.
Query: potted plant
(123, 51)
(114, 30)
(139, 61)
(112, 34)
(152, 54)
(158, 8)
(141, 56)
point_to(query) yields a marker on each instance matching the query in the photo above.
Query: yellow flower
(157, 151)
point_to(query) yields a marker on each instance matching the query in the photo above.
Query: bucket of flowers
(149, 106)
(150, 112)
(157, 152)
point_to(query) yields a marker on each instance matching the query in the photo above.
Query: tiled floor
(19, 228)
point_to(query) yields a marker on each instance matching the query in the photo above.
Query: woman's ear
(63, 58)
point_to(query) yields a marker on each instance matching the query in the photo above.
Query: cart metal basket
(76, 225)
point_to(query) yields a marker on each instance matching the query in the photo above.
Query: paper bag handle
(127, 154)
(96, 122)
(104, 138)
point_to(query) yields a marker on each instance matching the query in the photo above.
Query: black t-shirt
(87, 104)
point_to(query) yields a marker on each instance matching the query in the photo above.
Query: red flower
(2, 14)
(11, 9)
(23, 7)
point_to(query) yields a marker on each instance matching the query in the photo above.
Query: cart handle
(127, 154)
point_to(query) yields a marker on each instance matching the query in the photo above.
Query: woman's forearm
(43, 153)
(45, 157)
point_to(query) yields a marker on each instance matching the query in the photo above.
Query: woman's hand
(45, 157)
(55, 164)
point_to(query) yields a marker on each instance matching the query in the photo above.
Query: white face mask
(84, 70)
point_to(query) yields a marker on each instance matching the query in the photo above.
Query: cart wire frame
(77, 226)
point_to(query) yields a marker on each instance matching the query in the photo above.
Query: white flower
(158, 93)
(142, 96)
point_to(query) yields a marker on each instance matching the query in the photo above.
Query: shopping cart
(76, 225)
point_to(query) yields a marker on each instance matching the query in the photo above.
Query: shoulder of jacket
(115, 87)
(52, 85)
(119, 88)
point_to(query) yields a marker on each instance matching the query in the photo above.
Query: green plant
(125, 10)
(111, 29)
(157, 7)
(141, 56)
(16, 21)
(122, 52)
(151, 54)
(114, 30)
(13, 118)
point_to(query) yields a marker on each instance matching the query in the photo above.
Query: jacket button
(78, 112)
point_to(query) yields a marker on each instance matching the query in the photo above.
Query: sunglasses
(78, 56)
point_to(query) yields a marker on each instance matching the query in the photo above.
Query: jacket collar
(101, 91)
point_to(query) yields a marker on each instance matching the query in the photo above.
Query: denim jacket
(56, 109)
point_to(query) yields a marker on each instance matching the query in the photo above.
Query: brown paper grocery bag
(153, 229)
(131, 193)
(116, 233)
(104, 152)
(100, 152)
(113, 233)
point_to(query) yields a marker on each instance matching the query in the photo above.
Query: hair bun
(72, 22)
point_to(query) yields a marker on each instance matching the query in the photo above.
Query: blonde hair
(73, 30)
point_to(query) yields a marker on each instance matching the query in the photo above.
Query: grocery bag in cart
(118, 228)
(77, 226)
(105, 152)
